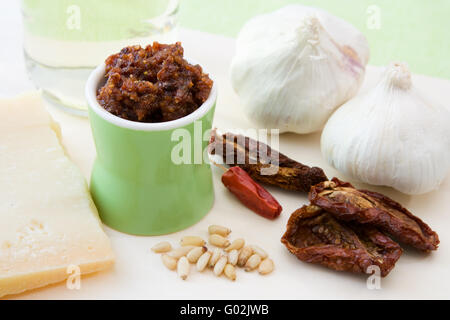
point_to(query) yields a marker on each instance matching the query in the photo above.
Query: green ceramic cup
(136, 185)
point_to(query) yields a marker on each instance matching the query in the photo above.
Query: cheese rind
(48, 221)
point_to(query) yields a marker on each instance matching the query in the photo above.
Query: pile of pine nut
(223, 259)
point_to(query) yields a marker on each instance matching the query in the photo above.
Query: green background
(415, 31)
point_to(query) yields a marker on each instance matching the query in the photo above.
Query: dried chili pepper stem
(225, 169)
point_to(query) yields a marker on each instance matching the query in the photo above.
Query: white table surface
(139, 274)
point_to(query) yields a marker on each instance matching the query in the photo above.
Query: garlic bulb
(295, 66)
(391, 136)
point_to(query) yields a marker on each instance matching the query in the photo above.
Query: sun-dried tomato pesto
(153, 84)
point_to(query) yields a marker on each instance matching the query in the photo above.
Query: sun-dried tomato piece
(367, 207)
(254, 156)
(316, 236)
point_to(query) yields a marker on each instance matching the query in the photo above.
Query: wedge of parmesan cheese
(49, 226)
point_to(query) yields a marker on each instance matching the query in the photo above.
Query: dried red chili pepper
(254, 156)
(372, 208)
(250, 193)
(316, 236)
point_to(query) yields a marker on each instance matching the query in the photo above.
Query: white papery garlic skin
(295, 66)
(391, 136)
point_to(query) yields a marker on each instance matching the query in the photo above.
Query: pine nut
(244, 255)
(216, 229)
(162, 247)
(169, 262)
(195, 254)
(215, 256)
(220, 265)
(236, 245)
(253, 262)
(233, 257)
(260, 252)
(230, 272)
(180, 252)
(192, 241)
(202, 262)
(266, 266)
(193, 250)
(218, 241)
(183, 268)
